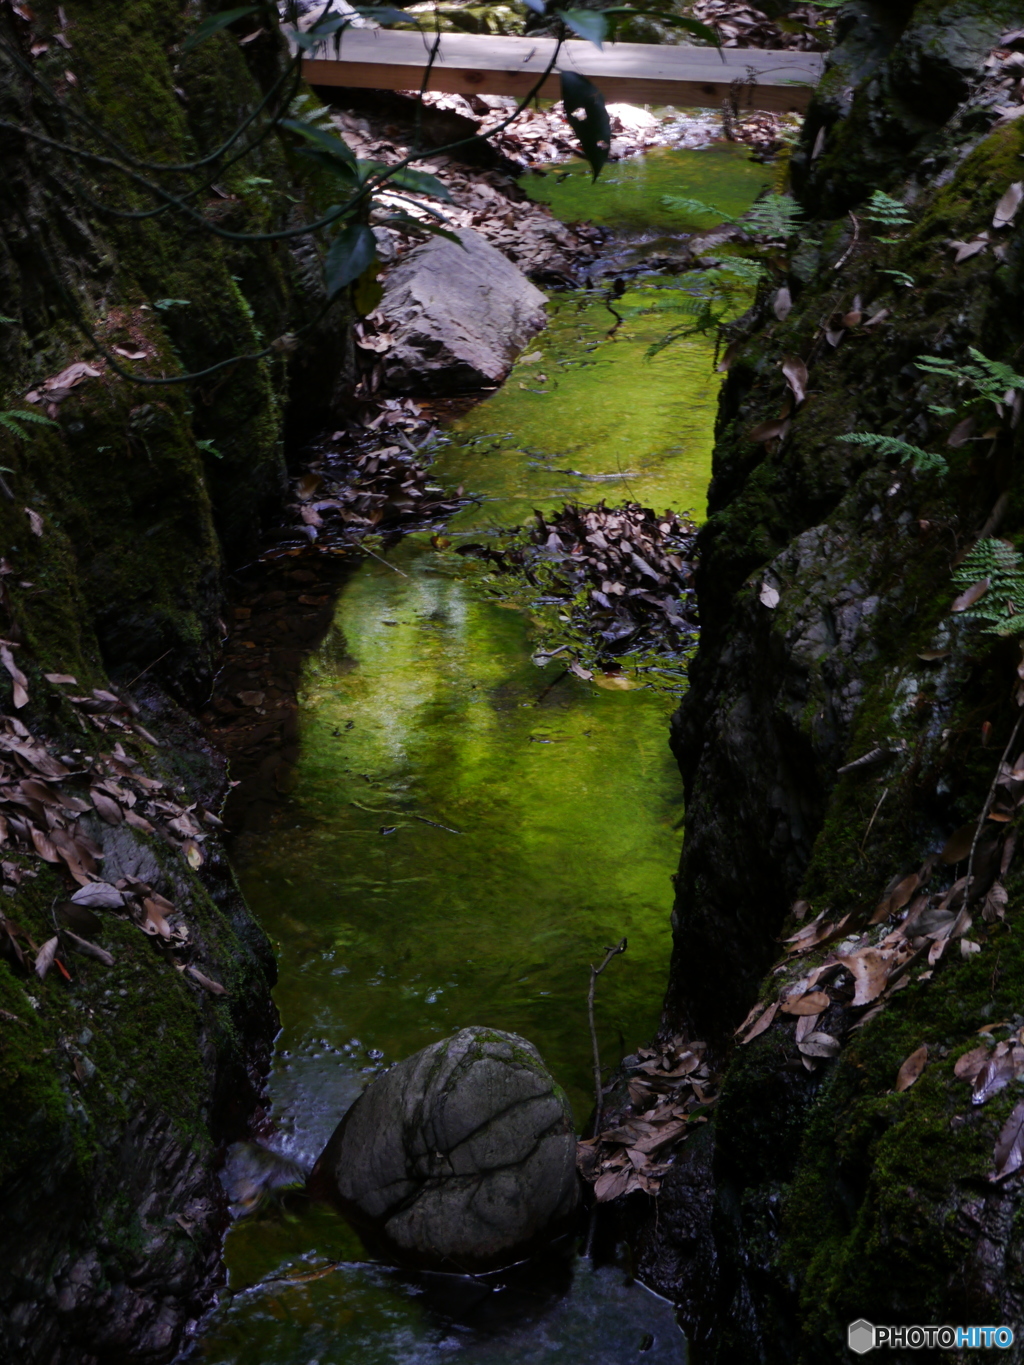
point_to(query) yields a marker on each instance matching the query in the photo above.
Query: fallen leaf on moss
(763, 1022)
(1006, 209)
(814, 1002)
(912, 1068)
(819, 1045)
(45, 955)
(214, 987)
(1009, 1151)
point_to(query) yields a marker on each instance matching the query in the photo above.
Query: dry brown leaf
(1009, 1150)
(958, 846)
(610, 1184)
(99, 896)
(769, 596)
(995, 903)
(90, 949)
(1006, 209)
(968, 1066)
(782, 305)
(45, 956)
(763, 1023)
(35, 521)
(961, 433)
(870, 971)
(61, 678)
(805, 1025)
(971, 595)
(214, 987)
(819, 1045)
(796, 377)
(17, 677)
(768, 431)
(814, 1002)
(107, 808)
(155, 919)
(912, 1068)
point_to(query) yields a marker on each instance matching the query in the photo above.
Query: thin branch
(595, 972)
(987, 806)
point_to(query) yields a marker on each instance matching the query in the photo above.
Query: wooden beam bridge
(632, 73)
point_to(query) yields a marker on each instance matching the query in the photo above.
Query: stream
(467, 827)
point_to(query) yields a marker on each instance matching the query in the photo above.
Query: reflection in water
(465, 832)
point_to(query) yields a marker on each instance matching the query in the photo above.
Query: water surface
(465, 831)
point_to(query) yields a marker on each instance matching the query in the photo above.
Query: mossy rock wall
(837, 1197)
(116, 1087)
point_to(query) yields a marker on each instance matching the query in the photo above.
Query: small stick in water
(595, 972)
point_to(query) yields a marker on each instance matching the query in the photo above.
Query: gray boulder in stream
(462, 1156)
(458, 316)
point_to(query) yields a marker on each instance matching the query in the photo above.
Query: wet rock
(459, 315)
(461, 1155)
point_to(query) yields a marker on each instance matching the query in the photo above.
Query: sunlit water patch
(465, 830)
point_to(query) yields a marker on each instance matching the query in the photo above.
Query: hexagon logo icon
(860, 1336)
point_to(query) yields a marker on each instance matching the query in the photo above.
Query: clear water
(465, 832)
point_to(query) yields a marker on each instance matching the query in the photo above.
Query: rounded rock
(462, 1156)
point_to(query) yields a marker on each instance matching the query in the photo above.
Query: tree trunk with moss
(826, 583)
(117, 1085)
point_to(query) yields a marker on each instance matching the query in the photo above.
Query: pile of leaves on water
(876, 951)
(50, 804)
(372, 479)
(670, 1091)
(620, 581)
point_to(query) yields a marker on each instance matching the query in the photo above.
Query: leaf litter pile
(669, 1092)
(871, 954)
(50, 810)
(621, 579)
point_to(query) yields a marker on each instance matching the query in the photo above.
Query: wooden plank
(635, 73)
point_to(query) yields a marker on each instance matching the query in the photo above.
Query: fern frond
(776, 215)
(9, 424)
(23, 415)
(1001, 610)
(923, 460)
(684, 205)
(882, 208)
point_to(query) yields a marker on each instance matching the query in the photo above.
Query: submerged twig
(595, 972)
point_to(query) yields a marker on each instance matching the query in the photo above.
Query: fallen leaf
(971, 595)
(99, 896)
(806, 1025)
(870, 971)
(45, 955)
(129, 355)
(610, 1185)
(90, 949)
(35, 521)
(912, 1068)
(796, 377)
(214, 987)
(853, 318)
(44, 845)
(193, 854)
(108, 809)
(878, 317)
(958, 845)
(961, 433)
(968, 1066)
(1009, 1151)
(995, 1074)
(965, 250)
(1006, 209)
(61, 678)
(783, 304)
(819, 1045)
(995, 903)
(763, 1022)
(769, 596)
(17, 677)
(768, 431)
(139, 822)
(811, 1003)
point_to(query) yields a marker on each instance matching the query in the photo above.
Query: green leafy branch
(994, 381)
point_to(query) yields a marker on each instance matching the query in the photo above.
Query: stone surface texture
(459, 315)
(461, 1155)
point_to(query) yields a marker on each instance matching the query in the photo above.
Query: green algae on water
(628, 193)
